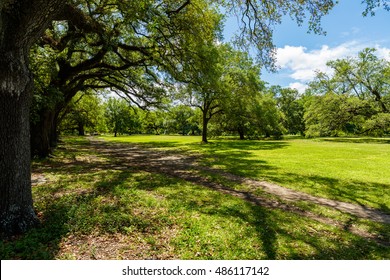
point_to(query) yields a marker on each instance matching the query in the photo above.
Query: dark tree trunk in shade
(22, 22)
(204, 129)
(16, 207)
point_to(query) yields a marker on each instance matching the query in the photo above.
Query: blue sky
(300, 53)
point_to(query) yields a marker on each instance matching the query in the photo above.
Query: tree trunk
(378, 98)
(241, 133)
(80, 128)
(204, 128)
(16, 205)
(22, 22)
(42, 138)
(44, 133)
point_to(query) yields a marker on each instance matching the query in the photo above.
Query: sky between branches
(300, 54)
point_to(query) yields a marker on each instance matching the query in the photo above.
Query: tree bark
(22, 22)
(378, 98)
(241, 133)
(204, 128)
(42, 138)
(16, 206)
(80, 129)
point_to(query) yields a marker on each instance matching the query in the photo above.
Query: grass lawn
(351, 170)
(93, 206)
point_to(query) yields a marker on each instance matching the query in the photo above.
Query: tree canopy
(355, 98)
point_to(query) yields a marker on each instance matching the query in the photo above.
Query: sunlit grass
(99, 212)
(353, 170)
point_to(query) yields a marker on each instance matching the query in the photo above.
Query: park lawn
(352, 170)
(91, 208)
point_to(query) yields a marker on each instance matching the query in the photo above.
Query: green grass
(348, 169)
(89, 209)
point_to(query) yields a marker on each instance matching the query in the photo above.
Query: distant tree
(332, 115)
(262, 118)
(244, 88)
(291, 105)
(120, 116)
(154, 122)
(84, 112)
(366, 77)
(206, 86)
(182, 119)
(352, 99)
(266, 117)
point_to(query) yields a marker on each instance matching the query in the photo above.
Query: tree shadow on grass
(206, 212)
(245, 145)
(240, 163)
(268, 240)
(280, 235)
(237, 156)
(102, 209)
(97, 208)
(357, 140)
(357, 192)
(107, 205)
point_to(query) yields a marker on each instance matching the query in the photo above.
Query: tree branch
(185, 4)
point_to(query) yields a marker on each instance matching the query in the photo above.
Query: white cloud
(298, 86)
(383, 52)
(301, 64)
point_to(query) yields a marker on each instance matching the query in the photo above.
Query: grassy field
(93, 206)
(351, 170)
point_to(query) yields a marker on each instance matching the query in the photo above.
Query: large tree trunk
(42, 138)
(16, 206)
(44, 132)
(22, 22)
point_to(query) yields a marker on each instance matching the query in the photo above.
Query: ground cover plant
(159, 200)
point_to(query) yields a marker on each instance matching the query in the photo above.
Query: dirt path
(188, 168)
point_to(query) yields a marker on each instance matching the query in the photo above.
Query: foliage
(266, 117)
(372, 6)
(228, 91)
(354, 99)
(183, 120)
(120, 117)
(85, 113)
(332, 114)
(204, 84)
(258, 19)
(153, 122)
(125, 47)
(291, 105)
(244, 88)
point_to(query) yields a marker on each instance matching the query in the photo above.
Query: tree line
(352, 100)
